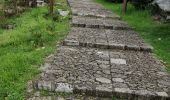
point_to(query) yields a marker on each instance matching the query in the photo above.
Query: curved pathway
(102, 57)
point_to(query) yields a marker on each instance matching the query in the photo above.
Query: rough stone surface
(103, 80)
(70, 97)
(104, 38)
(81, 67)
(118, 61)
(91, 22)
(94, 12)
(64, 87)
(117, 80)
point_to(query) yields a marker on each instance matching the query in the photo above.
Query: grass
(23, 49)
(155, 33)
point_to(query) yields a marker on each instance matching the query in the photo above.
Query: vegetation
(141, 4)
(23, 49)
(155, 33)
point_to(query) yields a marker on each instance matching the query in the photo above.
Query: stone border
(122, 93)
(97, 16)
(100, 26)
(107, 46)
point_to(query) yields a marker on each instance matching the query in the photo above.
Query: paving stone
(123, 90)
(105, 66)
(163, 94)
(103, 80)
(144, 93)
(64, 87)
(117, 80)
(118, 61)
(44, 85)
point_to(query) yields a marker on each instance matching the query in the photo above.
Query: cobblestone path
(100, 58)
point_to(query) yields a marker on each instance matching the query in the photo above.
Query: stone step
(80, 5)
(82, 2)
(70, 97)
(105, 38)
(104, 23)
(129, 75)
(93, 12)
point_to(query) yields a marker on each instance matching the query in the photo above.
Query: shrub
(141, 4)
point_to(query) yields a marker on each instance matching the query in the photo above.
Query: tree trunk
(124, 6)
(51, 7)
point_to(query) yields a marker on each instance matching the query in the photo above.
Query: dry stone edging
(106, 46)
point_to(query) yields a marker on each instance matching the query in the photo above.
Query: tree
(124, 6)
(51, 7)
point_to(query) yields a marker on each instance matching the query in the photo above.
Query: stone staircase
(102, 57)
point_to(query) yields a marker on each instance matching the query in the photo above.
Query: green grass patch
(155, 33)
(23, 49)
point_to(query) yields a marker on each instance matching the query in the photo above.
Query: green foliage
(141, 4)
(2, 18)
(138, 4)
(36, 37)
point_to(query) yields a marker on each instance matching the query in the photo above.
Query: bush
(141, 4)
(117, 1)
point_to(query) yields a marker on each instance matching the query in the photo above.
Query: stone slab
(104, 38)
(81, 69)
(104, 23)
(69, 97)
(117, 61)
(93, 12)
